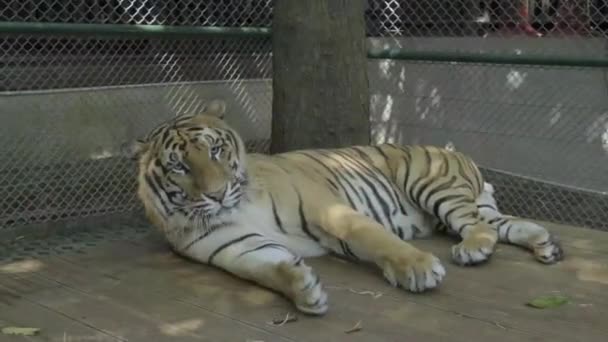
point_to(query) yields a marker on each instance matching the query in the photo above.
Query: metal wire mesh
(71, 101)
(156, 12)
(541, 132)
(567, 27)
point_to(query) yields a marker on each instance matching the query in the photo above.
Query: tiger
(257, 216)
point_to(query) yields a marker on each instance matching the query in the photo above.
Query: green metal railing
(123, 30)
(404, 54)
(128, 30)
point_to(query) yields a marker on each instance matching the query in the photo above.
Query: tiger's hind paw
(549, 251)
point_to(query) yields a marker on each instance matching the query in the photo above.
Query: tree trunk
(320, 86)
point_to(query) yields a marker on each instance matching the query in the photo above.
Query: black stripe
(501, 221)
(441, 201)
(421, 178)
(473, 175)
(202, 236)
(384, 156)
(371, 207)
(383, 204)
(377, 175)
(165, 138)
(349, 251)
(427, 183)
(337, 177)
(333, 184)
(373, 172)
(230, 243)
(277, 219)
(235, 141)
(157, 190)
(297, 261)
(462, 173)
(303, 222)
(481, 206)
(343, 247)
(400, 232)
(266, 245)
(447, 185)
(446, 162)
(455, 206)
(494, 220)
(507, 231)
(366, 157)
(346, 251)
(406, 176)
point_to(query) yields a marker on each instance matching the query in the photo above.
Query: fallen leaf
(356, 328)
(22, 331)
(288, 319)
(546, 302)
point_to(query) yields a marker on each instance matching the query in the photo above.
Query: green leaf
(22, 331)
(546, 302)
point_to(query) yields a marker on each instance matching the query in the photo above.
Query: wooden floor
(140, 291)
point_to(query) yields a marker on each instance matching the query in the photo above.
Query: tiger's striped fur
(257, 216)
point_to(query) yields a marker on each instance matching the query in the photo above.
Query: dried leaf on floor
(289, 318)
(355, 328)
(375, 295)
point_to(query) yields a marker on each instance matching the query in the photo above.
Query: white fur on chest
(257, 217)
(247, 218)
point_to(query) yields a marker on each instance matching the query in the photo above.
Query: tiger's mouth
(217, 196)
(230, 195)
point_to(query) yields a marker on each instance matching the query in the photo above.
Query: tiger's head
(192, 164)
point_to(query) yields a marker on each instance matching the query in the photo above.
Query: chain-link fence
(521, 122)
(71, 100)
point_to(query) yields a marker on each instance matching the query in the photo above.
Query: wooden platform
(140, 291)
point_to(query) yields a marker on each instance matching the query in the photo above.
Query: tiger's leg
(256, 258)
(402, 263)
(459, 213)
(520, 232)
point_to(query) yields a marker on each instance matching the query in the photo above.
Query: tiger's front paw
(549, 251)
(474, 249)
(415, 272)
(306, 290)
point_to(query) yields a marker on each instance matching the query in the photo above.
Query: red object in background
(525, 23)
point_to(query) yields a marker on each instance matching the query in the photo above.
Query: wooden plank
(499, 289)
(133, 314)
(465, 296)
(17, 310)
(150, 286)
(220, 292)
(584, 240)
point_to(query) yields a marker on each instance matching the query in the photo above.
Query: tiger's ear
(134, 149)
(215, 108)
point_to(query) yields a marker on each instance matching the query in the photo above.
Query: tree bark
(320, 85)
